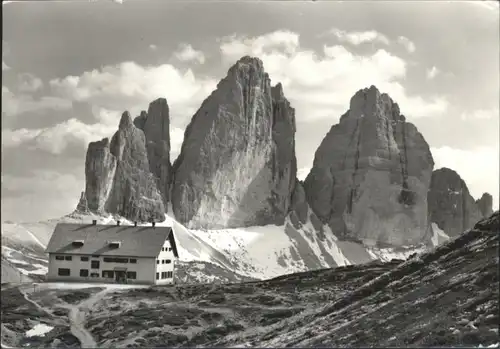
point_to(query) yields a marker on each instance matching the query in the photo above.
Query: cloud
(481, 114)
(320, 85)
(478, 167)
(153, 47)
(407, 43)
(29, 83)
(129, 86)
(358, 38)
(302, 173)
(57, 139)
(432, 72)
(110, 91)
(187, 53)
(5, 66)
(49, 195)
(15, 104)
(176, 139)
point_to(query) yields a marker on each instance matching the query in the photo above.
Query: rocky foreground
(446, 297)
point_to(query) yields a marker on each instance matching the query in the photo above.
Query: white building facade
(112, 254)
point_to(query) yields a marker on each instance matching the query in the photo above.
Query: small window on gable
(77, 243)
(163, 248)
(168, 261)
(157, 261)
(162, 261)
(170, 248)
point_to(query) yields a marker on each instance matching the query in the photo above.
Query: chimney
(118, 223)
(153, 224)
(94, 222)
(135, 224)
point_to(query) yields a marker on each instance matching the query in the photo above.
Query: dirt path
(77, 319)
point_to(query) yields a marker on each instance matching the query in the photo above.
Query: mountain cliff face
(237, 164)
(371, 174)
(485, 204)
(451, 206)
(118, 177)
(156, 126)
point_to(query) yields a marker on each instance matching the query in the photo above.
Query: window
(115, 260)
(63, 272)
(162, 261)
(168, 261)
(59, 258)
(170, 248)
(68, 258)
(94, 275)
(163, 248)
(157, 276)
(157, 261)
(94, 264)
(133, 260)
(131, 275)
(108, 274)
(169, 274)
(163, 275)
(84, 273)
(84, 259)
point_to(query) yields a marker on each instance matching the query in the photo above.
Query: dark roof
(140, 241)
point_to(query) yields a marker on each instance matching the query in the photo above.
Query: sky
(70, 68)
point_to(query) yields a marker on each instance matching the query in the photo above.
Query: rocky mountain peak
(485, 204)
(371, 173)
(450, 204)
(125, 121)
(237, 164)
(118, 179)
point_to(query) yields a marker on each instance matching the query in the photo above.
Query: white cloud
(321, 85)
(176, 139)
(56, 139)
(432, 72)
(187, 53)
(5, 66)
(153, 47)
(303, 172)
(481, 114)
(129, 86)
(15, 104)
(46, 194)
(110, 91)
(29, 83)
(479, 168)
(358, 37)
(407, 43)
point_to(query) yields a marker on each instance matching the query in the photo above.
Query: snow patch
(39, 330)
(438, 235)
(387, 254)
